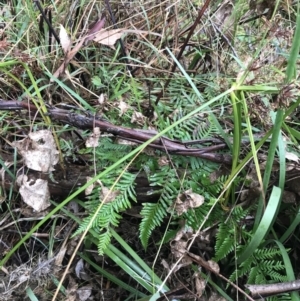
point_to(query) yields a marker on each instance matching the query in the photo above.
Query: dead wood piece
(267, 290)
(139, 136)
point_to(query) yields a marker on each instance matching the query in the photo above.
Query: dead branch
(88, 121)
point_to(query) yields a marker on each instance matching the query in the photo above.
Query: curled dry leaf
(105, 194)
(125, 142)
(188, 200)
(163, 160)
(60, 256)
(291, 156)
(80, 271)
(138, 118)
(79, 268)
(84, 293)
(200, 284)
(71, 291)
(38, 151)
(179, 247)
(214, 266)
(34, 193)
(102, 99)
(123, 106)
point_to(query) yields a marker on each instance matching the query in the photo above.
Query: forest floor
(149, 150)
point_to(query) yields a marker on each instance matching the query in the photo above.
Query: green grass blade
(30, 294)
(237, 129)
(269, 164)
(134, 275)
(282, 161)
(265, 224)
(131, 252)
(112, 278)
(85, 104)
(124, 265)
(293, 58)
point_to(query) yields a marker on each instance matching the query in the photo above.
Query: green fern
(109, 215)
(104, 240)
(153, 214)
(194, 128)
(225, 241)
(107, 152)
(261, 267)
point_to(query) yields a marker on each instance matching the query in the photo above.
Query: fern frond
(192, 129)
(109, 215)
(153, 215)
(267, 253)
(225, 241)
(103, 240)
(107, 151)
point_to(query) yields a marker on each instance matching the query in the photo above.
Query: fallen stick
(87, 121)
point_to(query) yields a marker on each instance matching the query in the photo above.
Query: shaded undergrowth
(220, 73)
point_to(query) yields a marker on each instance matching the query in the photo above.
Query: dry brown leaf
(4, 44)
(38, 151)
(79, 268)
(108, 37)
(123, 106)
(84, 293)
(138, 118)
(102, 99)
(163, 160)
(188, 200)
(125, 142)
(60, 256)
(34, 193)
(106, 194)
(292, 157)
(71, 290)
(200, 284)
(214, 266)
